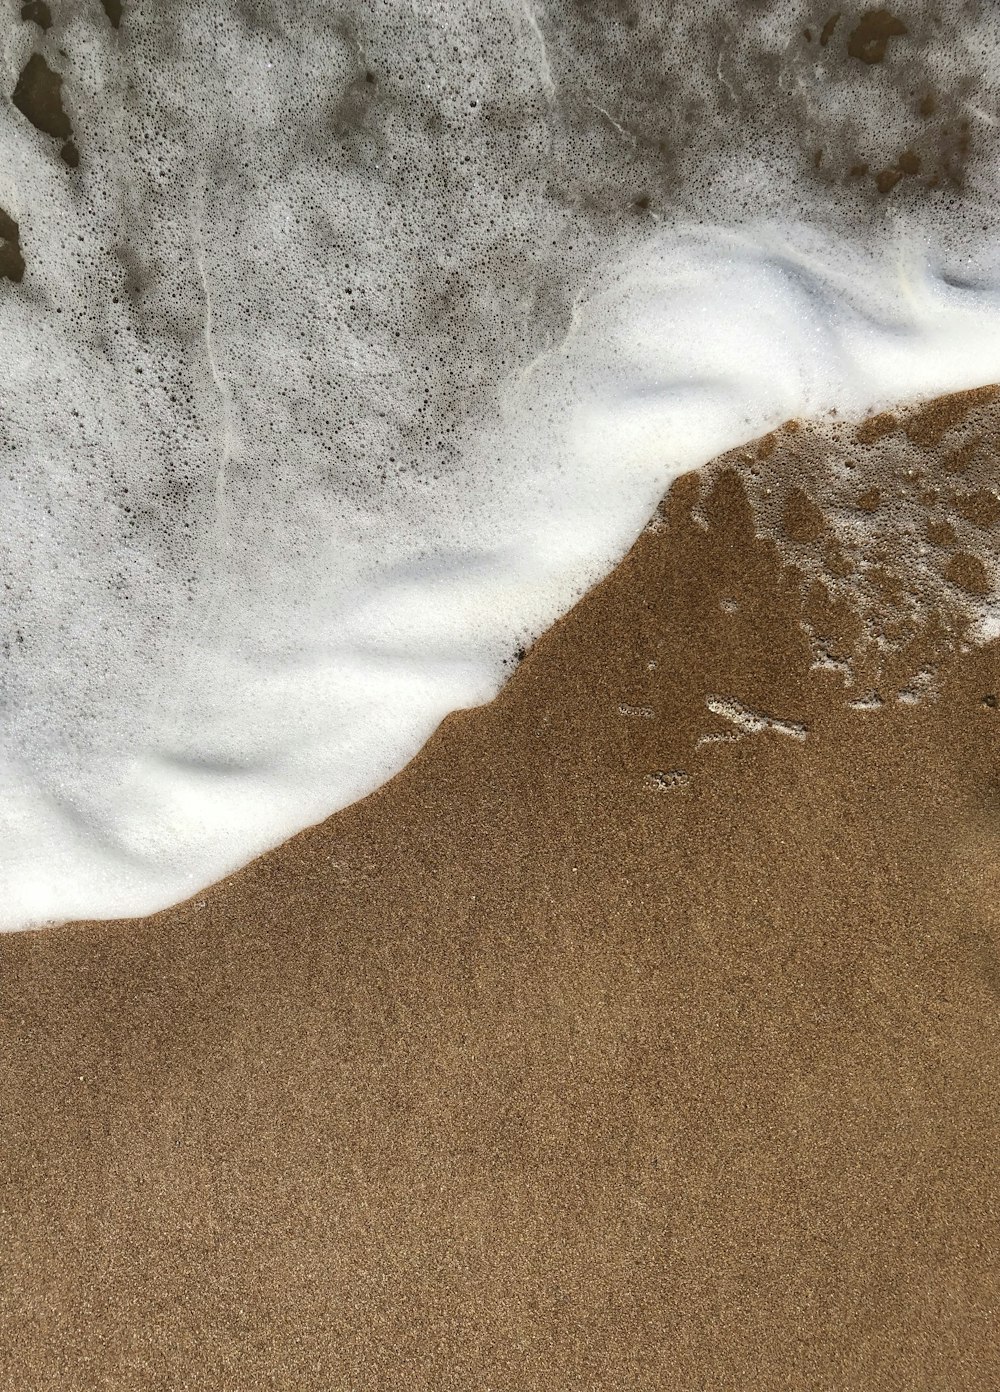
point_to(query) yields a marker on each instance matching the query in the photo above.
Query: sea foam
(359, 341)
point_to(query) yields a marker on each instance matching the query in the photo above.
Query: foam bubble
(359, 341)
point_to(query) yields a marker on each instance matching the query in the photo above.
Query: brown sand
(580, 1056)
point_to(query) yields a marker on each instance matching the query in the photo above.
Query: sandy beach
(640, 1034)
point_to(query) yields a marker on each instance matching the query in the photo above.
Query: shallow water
(344, 347)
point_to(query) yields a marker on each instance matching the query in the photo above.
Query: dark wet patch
(38, 96)
(828, 28)
(802, 520)
(981, 508)
(941, 533)
(836, 562)
(928, 425)
(11, 260)
(959, 460)
(908, 163)
(70, 155)
(113, 10)
(876, 428)
(969, 574)
(766, 446)
(137, 278)
(351, 114)
(870, 36)
(37, 12)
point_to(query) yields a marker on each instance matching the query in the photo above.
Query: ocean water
(345, 345)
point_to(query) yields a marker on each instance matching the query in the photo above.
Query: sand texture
(641, 1034)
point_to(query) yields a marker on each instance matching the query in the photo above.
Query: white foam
(319, 403)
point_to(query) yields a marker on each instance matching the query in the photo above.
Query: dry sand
(583, 1055)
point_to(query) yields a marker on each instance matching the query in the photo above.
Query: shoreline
(639, 1033)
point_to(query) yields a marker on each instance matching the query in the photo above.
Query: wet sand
(589, 1053)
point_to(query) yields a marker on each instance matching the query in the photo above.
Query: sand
(589, 1053)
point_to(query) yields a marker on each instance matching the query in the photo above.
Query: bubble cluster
(895, 521)
(345, 345)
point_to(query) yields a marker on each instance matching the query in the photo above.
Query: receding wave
(344, 347)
